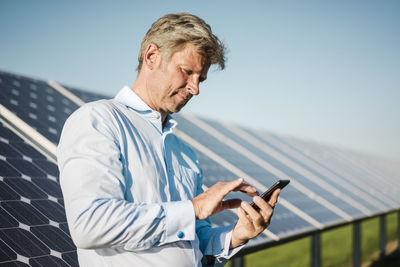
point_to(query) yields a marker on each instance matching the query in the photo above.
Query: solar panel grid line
(392, 183)
(386, 184)
(33, 246)
(22, 259)
(27, 140)
(268, 167)
(248, 178)
(365, 181)
(368, 176)
(361, 167)
(343, 172)
(390, 167)
(38, 139)
(28, 202)
(383, 188)
(320, 169)
(65, 92)
(291, 164)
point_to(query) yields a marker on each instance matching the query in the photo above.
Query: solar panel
(319, 170)
(329, 185)
(214, 172)
(36, 103)
(306, 178)
(33, 228)
(378, 187)
(262, 175)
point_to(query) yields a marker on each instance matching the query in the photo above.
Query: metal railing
(238, 260)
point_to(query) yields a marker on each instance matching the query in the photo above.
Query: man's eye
(188, 72)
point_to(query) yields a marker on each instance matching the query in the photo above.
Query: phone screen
(267, 194)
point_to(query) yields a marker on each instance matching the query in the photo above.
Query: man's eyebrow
(202, 78)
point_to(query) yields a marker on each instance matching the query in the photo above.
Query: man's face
(177, 80)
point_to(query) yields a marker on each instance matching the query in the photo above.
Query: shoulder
(101, 110)
(99, 106)
(93, 116)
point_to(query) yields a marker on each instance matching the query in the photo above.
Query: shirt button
(169, 169)
(180, 234)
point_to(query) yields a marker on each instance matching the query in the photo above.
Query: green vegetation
(337, 245)
(292, 254)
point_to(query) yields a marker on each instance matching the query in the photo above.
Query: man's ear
(152, 56)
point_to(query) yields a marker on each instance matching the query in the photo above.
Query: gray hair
(173, 31)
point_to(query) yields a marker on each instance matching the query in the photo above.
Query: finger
(257, 219)
(274, 198)
(253, 214)
(231, 203)
(230, 186)
(265, 207)
(265, 211)
(248, 189)
(243, 216)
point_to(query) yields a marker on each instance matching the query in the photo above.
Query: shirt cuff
(180, 221)
(227, 253)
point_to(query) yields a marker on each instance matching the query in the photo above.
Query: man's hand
(251, 222)
(211, 201)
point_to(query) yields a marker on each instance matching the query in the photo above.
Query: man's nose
(193, 86)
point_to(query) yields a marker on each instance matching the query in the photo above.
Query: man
(132, 189)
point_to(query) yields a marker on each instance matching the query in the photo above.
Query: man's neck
(139, 88)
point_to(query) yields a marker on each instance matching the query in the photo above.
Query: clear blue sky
(328, 71)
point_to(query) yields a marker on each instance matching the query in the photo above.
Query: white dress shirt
(127, 184)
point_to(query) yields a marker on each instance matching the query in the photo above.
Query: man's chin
(176, 108)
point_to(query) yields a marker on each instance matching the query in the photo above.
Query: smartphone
(267, 194)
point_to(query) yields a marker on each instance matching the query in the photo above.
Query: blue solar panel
(317, 169)
(32, 220)
(36, 103)
(378, 187)
(305, 181)
(329, 185)
(213, 172)
(302, 201)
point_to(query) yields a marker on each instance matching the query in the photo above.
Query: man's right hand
(211, 201)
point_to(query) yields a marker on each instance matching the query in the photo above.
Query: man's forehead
(190, 55)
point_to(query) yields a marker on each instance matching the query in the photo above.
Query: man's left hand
(251, 222)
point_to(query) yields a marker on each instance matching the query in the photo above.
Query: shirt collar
(129, 98)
